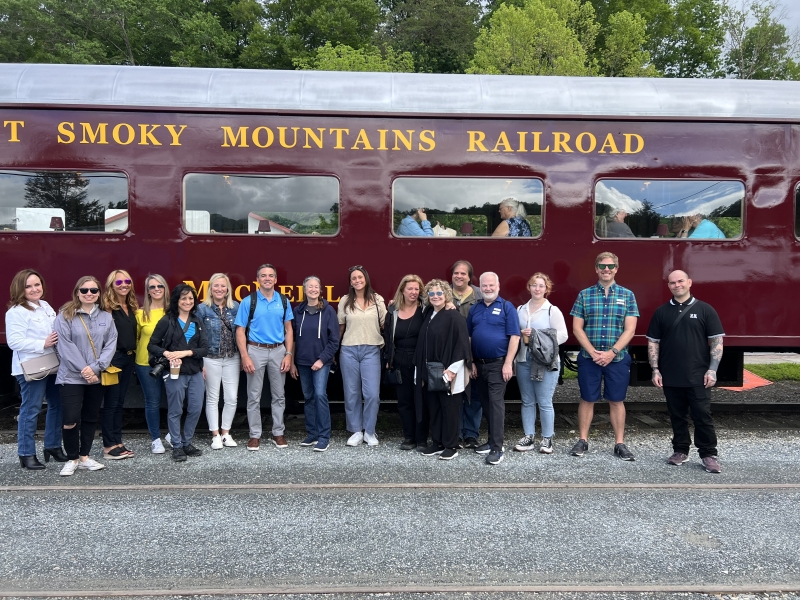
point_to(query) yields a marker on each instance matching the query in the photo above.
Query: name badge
(620, 301)
(495, 311)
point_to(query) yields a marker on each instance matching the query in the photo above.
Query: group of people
(612, 224)
(448, 349)
(512, 214)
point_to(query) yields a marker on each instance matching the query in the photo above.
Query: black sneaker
(178, 455)
(433, 450)
(580, 447)
(622, 451)
(470, 442)
(483, 449)
(408, 445)
(495, 457)
(448, 454)
(190, 450)
(524, 444)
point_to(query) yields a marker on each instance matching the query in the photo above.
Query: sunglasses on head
(603, 267)
(356, 268)
(121, 281)
(89, 290)
(431, 294)
(156, 287)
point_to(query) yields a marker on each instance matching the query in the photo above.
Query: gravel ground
(472, 596)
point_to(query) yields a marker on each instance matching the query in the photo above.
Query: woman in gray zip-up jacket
(87, 340)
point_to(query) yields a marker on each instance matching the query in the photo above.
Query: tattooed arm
(710, 378)
(652, 357)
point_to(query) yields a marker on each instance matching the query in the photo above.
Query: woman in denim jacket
(222, 365)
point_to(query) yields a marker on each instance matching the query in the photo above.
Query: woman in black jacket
(180, 338)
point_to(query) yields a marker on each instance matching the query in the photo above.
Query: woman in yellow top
(156, 302)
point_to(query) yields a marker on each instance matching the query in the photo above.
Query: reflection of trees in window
(644, 222)
(728, 219)
(66, 191)
(483, 219)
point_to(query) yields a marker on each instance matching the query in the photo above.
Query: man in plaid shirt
(603, 321)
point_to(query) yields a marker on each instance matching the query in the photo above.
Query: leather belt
(269, 346)
(487, 361)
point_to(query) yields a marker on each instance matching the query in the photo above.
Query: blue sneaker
(321, 446)
(495, 457)
(309, 441)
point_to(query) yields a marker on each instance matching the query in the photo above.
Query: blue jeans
(32, 394)
(317, 411)
(533, 393)
(193, 388)
(361, 377)
(152, 388)
(471, 413)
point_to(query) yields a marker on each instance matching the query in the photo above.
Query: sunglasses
(609, 267)
(156, 287)
(356, 268)
(432, 294)
(121, 281)
(88, 290)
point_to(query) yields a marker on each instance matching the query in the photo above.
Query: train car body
(186, 172)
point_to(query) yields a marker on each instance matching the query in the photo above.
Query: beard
(491, 297)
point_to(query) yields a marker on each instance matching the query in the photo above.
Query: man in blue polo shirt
(265, 344)
(603, 321)
(494, 329)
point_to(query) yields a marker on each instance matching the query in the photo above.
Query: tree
(345, 58)
(66, 191)
(533, 40)
(693, 47)
(759, 46)
(439, 34)
(624, 54)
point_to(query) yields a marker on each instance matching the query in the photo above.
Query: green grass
(776, 372)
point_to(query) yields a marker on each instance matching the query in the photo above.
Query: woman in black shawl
(443, 338)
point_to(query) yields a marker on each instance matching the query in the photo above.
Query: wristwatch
(614, 350)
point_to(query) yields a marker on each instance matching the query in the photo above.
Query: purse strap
(90, 336)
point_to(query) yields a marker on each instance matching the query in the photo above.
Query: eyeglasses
(356, 268)
(121, 281)
(156, 287)
(89, 290)
(432, 294)
(610, 267)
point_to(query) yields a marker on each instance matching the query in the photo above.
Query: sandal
(126, 451)
(117, 453)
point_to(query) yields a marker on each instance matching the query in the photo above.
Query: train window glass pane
(261, 204)
(63, 201)
(689, 209)
(467, 207)
(797, 211)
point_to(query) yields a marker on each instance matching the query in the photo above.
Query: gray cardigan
(74, 349)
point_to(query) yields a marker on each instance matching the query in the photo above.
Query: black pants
(114, 400)
(80, 405)
(682, 401)
(414, 419)
(445, 410)
(492, 390)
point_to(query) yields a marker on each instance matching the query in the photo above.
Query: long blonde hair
(399, 299)
(147, 301)
(209, 300)
(110, 296)
(71, 308)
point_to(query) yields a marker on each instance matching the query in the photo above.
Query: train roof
(240, 90)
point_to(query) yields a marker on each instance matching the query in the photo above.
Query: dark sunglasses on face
(156, 287)
(121, 281)
(609, 267)
(432, 294)
(89, 290)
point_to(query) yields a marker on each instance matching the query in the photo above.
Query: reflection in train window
(467, 207)
(63, 201)
(690, 209)
(261, 204)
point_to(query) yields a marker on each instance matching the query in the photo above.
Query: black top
(168, 335)
(443, 339)
(684, 354)
(407, 330)
(126, 329)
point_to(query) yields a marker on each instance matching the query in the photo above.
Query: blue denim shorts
(616, 376)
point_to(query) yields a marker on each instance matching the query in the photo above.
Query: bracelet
(288, 353)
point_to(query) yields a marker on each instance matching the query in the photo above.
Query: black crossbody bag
(436, 382)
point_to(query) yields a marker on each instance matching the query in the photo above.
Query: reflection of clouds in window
(449, 194)
(613, 197)
(708, 206)
(103, 187)
(12, 189)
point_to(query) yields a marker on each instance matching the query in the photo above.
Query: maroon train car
(186, 172)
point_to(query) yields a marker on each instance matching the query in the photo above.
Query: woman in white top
(537, 313)
(29, 333)
(361, 316)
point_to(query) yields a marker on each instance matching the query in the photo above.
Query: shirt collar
(689, 302)
(612, 288)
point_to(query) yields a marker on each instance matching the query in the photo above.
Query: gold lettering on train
(176, 135)
(556, 142)
(293, 293)
(123, 134)
(338, 133)
(257, 137)
(609, 143)
(282, 136)
(426, 136)
(95, 136)
(537, 138)
(579, 142)
(639, 143)
(14, 129)
(146, 135)
(362, 139)
(66, 131)
(502, 140)
(560, 139)
(316, 138)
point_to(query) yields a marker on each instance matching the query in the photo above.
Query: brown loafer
(253, 444)
(280, 441)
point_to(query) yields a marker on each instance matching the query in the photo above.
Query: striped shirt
(604, 316)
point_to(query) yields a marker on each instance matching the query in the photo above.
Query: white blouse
(547, 317)
(26, 331)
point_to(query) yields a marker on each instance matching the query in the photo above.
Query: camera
(160, 367)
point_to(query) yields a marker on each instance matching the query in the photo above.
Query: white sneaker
(156, 447)
(355, 439)
(90, 465)
(227, 441)
(371, 439)
(216, 442)
(168, 439)
(69, 468)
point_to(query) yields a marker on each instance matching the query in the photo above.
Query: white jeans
(225, 371)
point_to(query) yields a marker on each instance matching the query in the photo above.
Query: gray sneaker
(711, 464)
(483, 449)
(677, 459)
(580, 448)
(546, 446)
(622, 451)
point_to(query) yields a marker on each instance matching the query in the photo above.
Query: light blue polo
(267, 325)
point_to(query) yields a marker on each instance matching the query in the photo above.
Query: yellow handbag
(111, 375)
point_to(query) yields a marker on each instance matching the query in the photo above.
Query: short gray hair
(489, 273)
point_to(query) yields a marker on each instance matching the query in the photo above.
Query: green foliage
(776, 372)
(345, 58)
(730, 226)
(624, 54)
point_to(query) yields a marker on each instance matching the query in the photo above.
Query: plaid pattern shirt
(604, 316)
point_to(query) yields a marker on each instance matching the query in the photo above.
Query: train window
(797, 211)
(63, 201)
(261, 204)
(467, 207)
(688, 208)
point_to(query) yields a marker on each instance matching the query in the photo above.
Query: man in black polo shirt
(684, 347)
